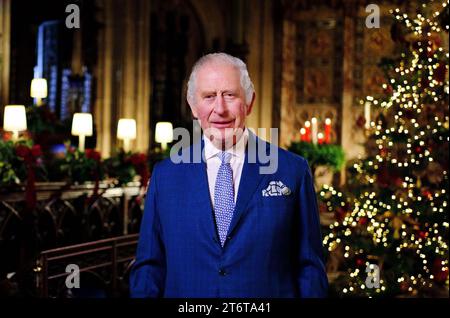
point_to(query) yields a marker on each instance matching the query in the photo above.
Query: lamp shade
(38, 88)
(126, 128)
(164, 132)
(82, 124)
(15, 118)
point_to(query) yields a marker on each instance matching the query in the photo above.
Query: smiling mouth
(224, 124)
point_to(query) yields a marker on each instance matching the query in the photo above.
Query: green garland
(8, 174)
(13, 165)
(78, 166)
(332, 156)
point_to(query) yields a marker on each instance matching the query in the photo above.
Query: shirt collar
(238, 150)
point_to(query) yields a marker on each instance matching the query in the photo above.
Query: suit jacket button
(222, 272)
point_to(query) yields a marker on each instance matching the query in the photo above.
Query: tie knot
(225, 157)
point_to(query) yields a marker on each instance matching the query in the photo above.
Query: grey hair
(246, 82)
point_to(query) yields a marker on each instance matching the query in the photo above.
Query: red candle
(303, 134)
(307, 131)
(314, 130)
(327, 130)
(320, 138)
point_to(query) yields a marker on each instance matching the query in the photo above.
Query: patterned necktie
(224, 196)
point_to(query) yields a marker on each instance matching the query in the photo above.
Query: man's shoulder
(168, 163)
(179, 160)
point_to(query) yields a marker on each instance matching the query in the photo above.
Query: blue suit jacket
(274, 245)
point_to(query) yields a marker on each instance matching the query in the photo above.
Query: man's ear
(250, 106)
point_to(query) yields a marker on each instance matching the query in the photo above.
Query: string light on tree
(395, 214)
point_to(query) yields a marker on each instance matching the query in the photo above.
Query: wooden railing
(64, 215)
(97, 269)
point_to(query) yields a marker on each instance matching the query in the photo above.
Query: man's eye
(229, 95)
(209, 96)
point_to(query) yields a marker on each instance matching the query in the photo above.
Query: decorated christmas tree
(390, 234)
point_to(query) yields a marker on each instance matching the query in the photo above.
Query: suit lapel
(250, 180)
(198, 182)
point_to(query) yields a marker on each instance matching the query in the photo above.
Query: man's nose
(220, 106)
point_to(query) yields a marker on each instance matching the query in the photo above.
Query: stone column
(5, 12)
(123, 75)
(288, 102)
(346, 109)
(104, 75)
(259, 30)
(135, 86)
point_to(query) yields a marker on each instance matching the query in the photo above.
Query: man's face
(219, 102)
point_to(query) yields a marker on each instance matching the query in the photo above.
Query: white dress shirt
(213, 162)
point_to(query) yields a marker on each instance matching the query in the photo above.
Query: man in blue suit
(219, 227)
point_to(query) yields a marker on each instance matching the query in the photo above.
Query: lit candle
(307, 131)
(302, 134)
(320, 138)
(327, 130)
(314, 130)
(367, 115)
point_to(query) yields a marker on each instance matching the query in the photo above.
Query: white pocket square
(276, 188)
